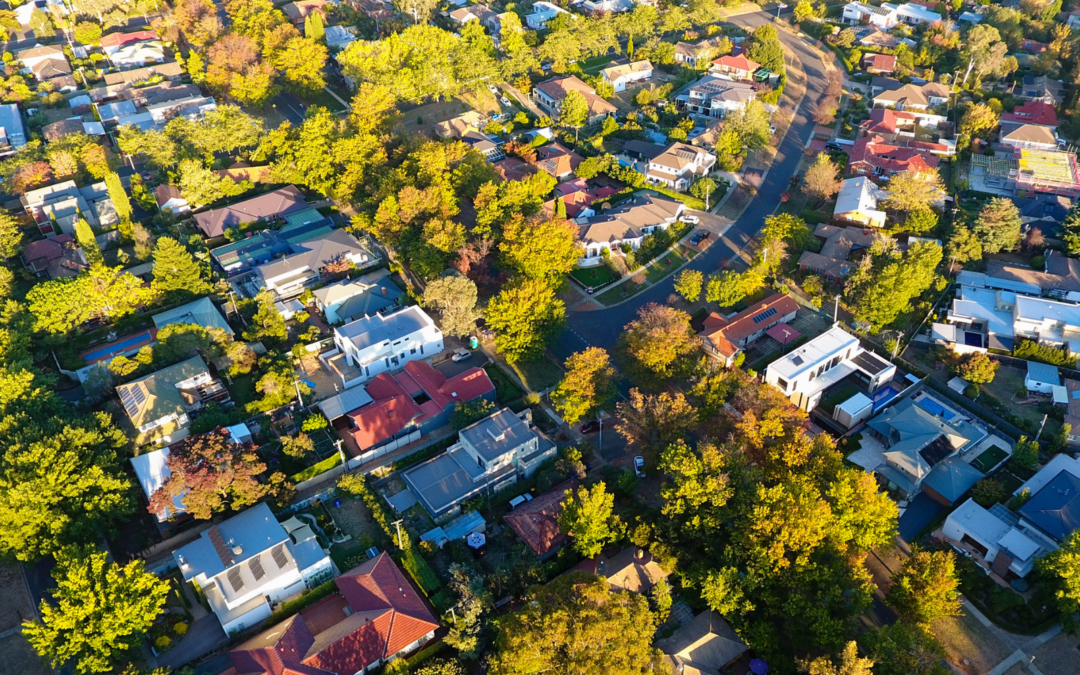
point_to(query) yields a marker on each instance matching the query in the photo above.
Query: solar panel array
(257, 568)
(234, 579)
(132, 398)
(279, 556)
(765, 315)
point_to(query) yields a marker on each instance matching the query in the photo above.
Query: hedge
(306, 600)
(316, 469)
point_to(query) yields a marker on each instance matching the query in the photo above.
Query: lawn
(595, 276)
(540, 374)
(594, 65)
(615, 295)
(242, 389)
(989, 458)
(667, 264)
(324, 99)
(505, 389)
(965, 638)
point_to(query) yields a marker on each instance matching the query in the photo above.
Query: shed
(854, 410)
(1041, 377)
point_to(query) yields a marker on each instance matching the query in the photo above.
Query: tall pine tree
(176, 274)
(85, 236)
(120, 202)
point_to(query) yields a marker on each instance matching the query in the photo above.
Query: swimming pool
(935, 408)
(883, 396)
(132, 342)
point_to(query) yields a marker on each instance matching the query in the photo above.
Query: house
(857, 202)
(705, 645)
(46, 63)
(478, 12)
(151, 472)
(162, 401)
(1032, 112)
(950, 480)
(309, 262)
(299, 11)
(1047, 171)
(631, 569)
(859, 13)
(876, 39)
(557, 160)
(536, 522)
(470, 120)
(913, 437)
(627, 74)
(339, 37)
(916, 14)
(715, 96)
(169, 198)
(598, 7)
(266, 245)
(414, 402)
(513, 168)
(723, 339)
(579, 204)
(805, 373)
(912, 96)
(193, 108)
(1029, 136)
(1045, 212)
(490, 455)
(679, 165)
(248, 562)
(57, 130)
(1041, 88)
(54, 258)
(542, 12)
(694, 54)
(736, 67)
(872, 156)
(1041, 377)
(352, 299)
(380, 343)
(114, 42)
(134, 50)
(202, 312)
(832, 262)
(266, 207)
(12, 131)
(482, 143)
(1072, 411)
(626, 224)
(56, 207)
(879, 64)
(549, 95)
(898, 126)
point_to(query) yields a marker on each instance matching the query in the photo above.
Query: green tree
(467, 412)
(177, 275)
(99, 611)
(454, 298)
(1026, 454)
(1063, 566)
(587, 385)
(11, 235)
(653, 423)
(301, 61)
(803, 10)
(103, 292)
(986, 55)
(588, 517)
(901, 649)
(660, 340)
(87, 32)
(765, 48)
(725, 288)
(85, 237)
(925, 588)
(850, 663)
(822, 179)
(298, 446)
(964, 245)
(921, 221)
(574, 111)
(688, 284)
(118, 195)
(977, 368)
(999, 227)
(267, 324)
(988, 492)
(703, 188)
(979, 120)
(524, 316)
(884, 289)
(913, 191)
(750, 124)
(201, 186)
(547, 250)
(661, 600)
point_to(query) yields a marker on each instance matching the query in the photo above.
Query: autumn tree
(524, 316)
(177, 275)
(850, 663)
(912, 190)
(688, 284)
(999, 226)
(236, 71)
(546, 250)
(979, 120)
(822, 180)
(11, 235)
(659, 340)
(588, 517)
(454, 298)
(925, 588)
(586, 387)
(201, 186)
(977, 368)
(98, 612)
(652, 422)
(209, 473)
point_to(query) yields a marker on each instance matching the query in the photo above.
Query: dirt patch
(1059, 656)
(15, 607)
(965, 638)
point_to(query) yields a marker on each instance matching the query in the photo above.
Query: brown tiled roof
(557, 90)
(1031, 133)
(277, 203)
(537, 521)
(742, 324)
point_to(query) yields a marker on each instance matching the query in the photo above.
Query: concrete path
(205, 635)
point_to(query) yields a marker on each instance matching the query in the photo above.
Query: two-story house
(542, 12)
(310, 261)
(715, 96)
(805, 373)
(697, 54)
(381, 343)
(622, 76)
(857, 202)
(626, 224)
(679, 165)
(899, 96)
(549, 96)
(490, 455)
(159, 404)
(248, 563)
(860, 13)
(735, 67)
(352, 299)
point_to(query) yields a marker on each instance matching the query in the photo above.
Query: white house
(248, 563)
(138, 54)
(620, 77)
(339, 37)
(857, 202)
(381, 343)
(805, 373)
(1041, 377)
(679, 165)
(716, 96)
(12, 131)
(916, 15)
(627, 225)
(24, 11)
(38, 55)
(859, 13)
(542, 13)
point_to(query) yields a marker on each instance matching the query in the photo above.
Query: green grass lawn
(667, 264)
(989, 458)
(614, 295)
(597, 275)
(242, 389)
(594, 65)
(540, 374)
(505, 389)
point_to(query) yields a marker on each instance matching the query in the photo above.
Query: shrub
(1028, 349)
(988, 492)
(180, 628)
(162, 641)
(314, 423)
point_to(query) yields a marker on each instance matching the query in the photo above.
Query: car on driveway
(493, 89)
(833, 145)
(639, 466)
(700, 237)
(693, 220)
(505, 101)
(590, 427)
(461, 355)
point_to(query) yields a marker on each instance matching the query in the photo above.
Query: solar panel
(257, 568)
(797, 360)
(279, 556)
(129, 402)
(765, 315)
(234, 579)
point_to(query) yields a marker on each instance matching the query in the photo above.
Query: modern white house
(805, 373)
(888, 15)
(679, 165)
(857, 202)
(382, 343)
(626, 225)
(542, 13)
(250, 562)
(620, 77)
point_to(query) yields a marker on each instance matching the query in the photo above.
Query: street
(602, 328)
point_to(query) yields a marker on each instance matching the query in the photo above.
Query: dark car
(833, 145)
(699, 237)
(590, 427)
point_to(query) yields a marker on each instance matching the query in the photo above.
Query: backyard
(15, 606)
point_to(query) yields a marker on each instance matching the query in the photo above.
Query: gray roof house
(950, 480)
(489, 456)
(201, 312)
(289, 276)
(269, 206)
(702, 646)
(352, 299)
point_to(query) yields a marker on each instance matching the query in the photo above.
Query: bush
(180, 628)
(988, 492)
(1028, 349)
(162, 642)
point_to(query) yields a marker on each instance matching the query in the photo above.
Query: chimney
(384, 290)
(640, 554)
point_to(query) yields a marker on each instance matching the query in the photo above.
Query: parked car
(493, 89)
(519, 500)
(833, 145)
(693, 220)
(700, 237)
(590, 427)
(505, 101)
(639, 466)
(461, 355)
(772, 129)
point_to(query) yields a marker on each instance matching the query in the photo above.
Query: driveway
(204, 636)
(602, 328)
(920, 512)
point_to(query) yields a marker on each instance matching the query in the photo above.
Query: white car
(493, 89)
(505, 101)
(693, 220)
(461, 355)
(639, 466)
(519, 500)
(772, 128)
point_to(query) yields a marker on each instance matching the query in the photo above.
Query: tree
(588, 517)
(999, 226)
(925, 588)
(419, 10)
(659, 340)
(703, 188)
(804, 10)
(884, 288)
(964, 245)
(1063, 566)
(765, 48)
(574, 110)
(41, 25)
(301, 61)
(850, 663)
(87, 32)
(977, 368)
(587, 385)
(314, 28)
(524, 316)
(654, 422)
(208, 474)
(688, 284)
(103, 292)
(988, 492)
(978, 120)
(11, 235)
(85, 237)
(118, 195)
(177, 275)
(467, 412)
(99, 611)
(547, 250)
(1026, 454)
(726, 288)
(299, 445)
(583, 626)
(987, 55)
(454, 298)
(267, 324)
(1071, 230)
(750, 124)
(912, 191)
(901, 649)
(236, 71)
(921, 221)
(822, 180)
(201, 186)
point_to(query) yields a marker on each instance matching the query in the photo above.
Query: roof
(201, 312)
(822, 348)
(679, 156)
(497, 434)
(714, 87)
(706, 643)
(276, 203)
(537, 521)
(1042, 372)
(858, 194)
(1055, 509)
(350, 399)
(913, 94)
(122, 39)
(628, 220)
(468, 120)
(873, 150)
(557, 160)
(373, 330)
(884, 62)
(952, 477)
(753, 319)
(251, 532)
(37, 51)
(614, 73)
(156, 396)
(839, 243)
(57, 130)
(312, 254)
(151, 470)
(1032, 112)
(917, 439)
(558, 88)
(631, 569)
(371, 301)
(269, 244)
(736, 63)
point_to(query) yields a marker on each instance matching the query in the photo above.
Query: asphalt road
(602, 328)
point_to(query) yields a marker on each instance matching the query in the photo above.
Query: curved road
(602, 328)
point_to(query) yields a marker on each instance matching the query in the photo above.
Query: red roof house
(537, 521)
(879, 63)
(738, 67)
(1032, 112)
(723, 338)
(124, 39)
(377, 616)
(872, 156)
(888, 123)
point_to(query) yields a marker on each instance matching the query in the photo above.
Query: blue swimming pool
(883, 396)
(118, 347)
(933, 407)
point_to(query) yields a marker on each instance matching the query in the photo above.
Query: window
(782, 383)
(413, 350)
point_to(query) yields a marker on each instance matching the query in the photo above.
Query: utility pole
(397, 524)
(296, 383)
(836, 311)
(341, 453)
